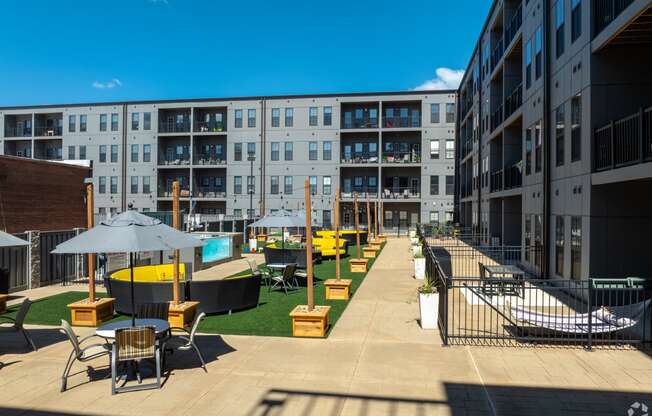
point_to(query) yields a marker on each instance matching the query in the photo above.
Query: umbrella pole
(337, 234)
(175, 225)
(133, 306)
(91, 256)
(311, 299)
(357, 231)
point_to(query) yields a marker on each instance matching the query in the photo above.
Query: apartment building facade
(248, 156)
(554, 143)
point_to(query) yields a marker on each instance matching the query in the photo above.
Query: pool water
(216, 248)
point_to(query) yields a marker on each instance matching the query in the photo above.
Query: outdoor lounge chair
(285, 278)
(135, 344)
(263, 272)
(186, 342)
(79, 353)
(17, 323)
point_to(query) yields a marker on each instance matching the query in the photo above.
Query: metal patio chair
(134, 344)
(79, 353)
(187, 341)
(285, 278)
(17, 323)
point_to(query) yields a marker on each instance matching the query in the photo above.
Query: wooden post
(176, 225)
(357, 231)
(91, 256)
(337, 234)
(311, 299)
(382, 217)
(368, 221)
(375, 219)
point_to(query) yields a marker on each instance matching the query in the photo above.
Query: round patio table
(108, 330)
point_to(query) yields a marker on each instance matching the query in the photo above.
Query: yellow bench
(157, 273)
(327, 246)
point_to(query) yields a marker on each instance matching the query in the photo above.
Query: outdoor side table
(507, 272)
(107, 331)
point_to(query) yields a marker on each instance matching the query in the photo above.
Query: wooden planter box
(85, 313)
(180, 315)
(376, 244)
(369, 252)
(338, 289)
(3, 303)
(382, 238)
(309, 324)
(358, 265)
(262, 238)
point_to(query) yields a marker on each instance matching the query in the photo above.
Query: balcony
(496, 181)
(19, 131)
(625, 142)
(359, 157)
(514, 101)
(210, 120)
(402, 117)
(20, 148)
(360, 116)
(606, 11)
(401, 157)
(209, 192)
(514, 25)
(174, 121)
(361, 192)
(166, 191)
(48, 149)
(48, 125)
(496, 118)
(497, 54)
(48, 131)
(209, 159)
(401, 193)
(513, 176)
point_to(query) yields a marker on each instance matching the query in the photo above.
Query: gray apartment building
(233, 155)
(554, 138)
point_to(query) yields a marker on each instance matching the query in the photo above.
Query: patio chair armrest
(8, 318)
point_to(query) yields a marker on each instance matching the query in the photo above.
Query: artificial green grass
(270, 318)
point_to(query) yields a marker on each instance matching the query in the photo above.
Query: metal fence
(57, 268)
(533, 311)
(16, 261)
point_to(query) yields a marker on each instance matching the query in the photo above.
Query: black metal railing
(606, 11)
(360, 123)
(402, 193)
(514, 25)
(209, 127)
(497, 118)
(514, 101)
(182, 160)
(497, 53)
(209, 192)
(405, 122)
(627, 141)
(514, 176)
(401, 157)
(56, 268)
(210, 159)
(18, 132)
(360, 157)
(362, 192)
(48, 131)
(174, 127)
(496, 182)
(15, 261)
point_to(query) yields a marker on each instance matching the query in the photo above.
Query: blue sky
(104, 50)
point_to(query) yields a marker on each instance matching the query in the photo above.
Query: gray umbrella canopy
(280, 219)
(129, 232)
(8, 240)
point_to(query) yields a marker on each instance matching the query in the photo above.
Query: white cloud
(445, 79)
(115, 82)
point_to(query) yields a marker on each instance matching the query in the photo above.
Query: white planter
(416, 250)
(413, 233)
(428, 308)
(420, 268)
(414, 241)
(253, 244)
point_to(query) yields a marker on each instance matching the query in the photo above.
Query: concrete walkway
(376, 362)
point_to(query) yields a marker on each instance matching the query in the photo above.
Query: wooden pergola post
(357, 231)
(368, 222)
(337, 234)
(176, 224)
(338, 288)
(375, 219)
(311, 297)
(91, 256)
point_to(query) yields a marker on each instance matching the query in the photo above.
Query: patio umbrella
(8, 240)
(129, 232)
(280, 219)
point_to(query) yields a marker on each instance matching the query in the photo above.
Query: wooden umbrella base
(3, 303)
(369, 252)
(382, 238)
(310, 323)
(358, 265)
(375, 244)
(338, 289)
(91, 314)
(180, 315)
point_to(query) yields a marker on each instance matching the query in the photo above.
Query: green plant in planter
(427, 287)
(419, 255)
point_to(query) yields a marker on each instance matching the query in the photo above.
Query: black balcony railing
(496, 182)
(514, 25)
(627, 141)
(398, 122)
(360, 157)
(209, 192)
(497, 53)
(48, 131)
(209, 127)
(513, 176)
(175, 161)
(360, 123)
(18, 131)
(496, 118)
(362, 192)
(210, 159)
(166, 191)
(402, 193)
(514, 101)
(605, 11)
(174, 127)
(401, 157)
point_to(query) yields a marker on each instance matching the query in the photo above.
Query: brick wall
(40, 195)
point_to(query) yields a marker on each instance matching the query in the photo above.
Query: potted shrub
(419, 266)
(416, 249)
(428, 305)
(413, 233)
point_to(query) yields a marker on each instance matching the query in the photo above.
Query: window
(134, 153)
(237, 185)
(135, 121)
(71, 123)
(274, 185)
(538, 55)
(237, 152)
(576, 19)
(82, 152)
(238, 118)
(312, 119)
(434, 113)
(146, 185)
(559, 134)
(448, 217)
(82, 122)
(326, 185)
(450, 112)
(114, 121)
(289, 117)
(103, 122)
(275, 150)
(528, 64)
(134, 184)
(328, 116)
(147, 153)
(71, 152)
(114, 153)
(434, 149)
(576, 128)
(251, 149)
(251, 117)
(328, 150)
(237, 212)
(326, 218)
(288, 185)
(538, 151)
(528, 150)
(147, 121)
(288, 150)
(450, 184)
(313, 185)
(114, 184)
(102, 153)
(372, 184)
(102, 189)
(312, 151)
(559, 245)
(251, 185)
(559, 27)
(276, 117)
(450, 149)
(576, 248)
(434, 217)
(434, 185)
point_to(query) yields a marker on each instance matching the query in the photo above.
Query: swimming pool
(216, 248)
